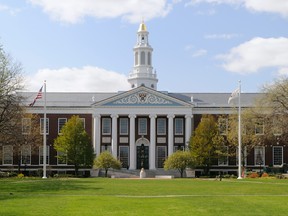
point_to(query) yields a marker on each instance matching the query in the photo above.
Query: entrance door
(142, 157)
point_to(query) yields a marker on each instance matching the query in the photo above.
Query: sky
(198, 45)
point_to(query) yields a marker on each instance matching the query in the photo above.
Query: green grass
(142, 197)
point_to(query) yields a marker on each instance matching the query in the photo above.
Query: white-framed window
(142, 126)
(7, 154)
(277, 155)
(83, 122)
(142, 58)
(259, 155)
(124, 126)
(61, 123)
(26, 154)
(223, 159)
(136, 58)
(61, 161)
(223, 125)
(106, 148)
(42, 125)
(179, 126)
(26, 125)
(161, 156)
(106, 126)
(179, 148)
(259, 127)
(124, 156)
(41, 154)
(161, 126)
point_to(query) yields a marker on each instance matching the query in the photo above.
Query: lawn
(100, 196)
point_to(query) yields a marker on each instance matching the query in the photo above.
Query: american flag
(38, 96)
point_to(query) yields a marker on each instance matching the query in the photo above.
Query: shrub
(265, 175)
(253, 175)
(20, 175)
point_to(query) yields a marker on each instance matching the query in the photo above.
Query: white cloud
(73, 11)
(10, 10)
(200, 52)
(271, 6)
(86, 79)
(283, 71)
(257, 54)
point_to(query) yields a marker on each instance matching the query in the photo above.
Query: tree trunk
(76, 169)
(106, 172)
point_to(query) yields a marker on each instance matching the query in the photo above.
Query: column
(152, 148)
(96, 134)
(114, 135)
(188, 129)
(132, 165)
(170, 134)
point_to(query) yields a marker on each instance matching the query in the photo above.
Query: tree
(206, 143)
(179, 160)
(74, 144)
(11, 82)
(105, 161)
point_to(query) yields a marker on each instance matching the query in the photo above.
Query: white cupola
(142, 73)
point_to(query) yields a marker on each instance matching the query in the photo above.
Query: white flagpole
(239, 133)
(44, 135)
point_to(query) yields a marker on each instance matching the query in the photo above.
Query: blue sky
(199, 45)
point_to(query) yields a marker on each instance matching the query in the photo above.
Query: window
(277, 129)
(124, 156)
(106, 126)
(222, 123)
(277, 155)
(25, 154)
(142, 58)
(63, 159)
(123, 126)
(106, 148)
(42, 125)
(259, 127)
(161, 126)
(149, 58)
(26, 126)
(259, 155)
(142, 126)
(41, 154)
(179, 148)
(179, 126)
(7, 155)
(136, 58)
(161, 156)
(61, 123)
(223, 159)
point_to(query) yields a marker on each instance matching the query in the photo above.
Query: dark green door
(142, 157)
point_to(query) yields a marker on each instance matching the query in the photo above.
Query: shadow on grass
(20, 188)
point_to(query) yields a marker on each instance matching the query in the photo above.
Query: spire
(142, 73)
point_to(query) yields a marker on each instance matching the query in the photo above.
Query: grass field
(101, 196)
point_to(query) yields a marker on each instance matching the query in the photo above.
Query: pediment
(142, 96)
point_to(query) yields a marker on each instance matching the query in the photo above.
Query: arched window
(149, 58)
(136, 58)
(142, 61)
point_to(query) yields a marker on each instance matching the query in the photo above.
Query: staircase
(124, 173)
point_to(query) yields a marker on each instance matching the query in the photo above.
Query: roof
(86, 99)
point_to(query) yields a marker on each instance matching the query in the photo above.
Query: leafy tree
(179, 160)
(74, 144)
(206, 143)
(11, 82)
(105, 161)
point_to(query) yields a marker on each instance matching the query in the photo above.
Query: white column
(96, 134)
(188, 127)
(170, 134)
(152, 148)
(132, 165)
(114, 135)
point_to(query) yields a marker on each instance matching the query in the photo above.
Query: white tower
(143, 73)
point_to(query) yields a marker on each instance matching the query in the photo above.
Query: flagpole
(239, 133)
(44, 135)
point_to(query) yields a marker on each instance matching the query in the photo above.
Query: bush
(20, 175)
(253, 175)
(265, 175)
